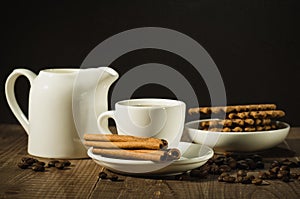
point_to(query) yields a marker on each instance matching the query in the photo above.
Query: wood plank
(78, 181)
(81, 180)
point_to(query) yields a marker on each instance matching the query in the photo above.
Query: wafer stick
(153, 155)
(229, 109)
(125, 145)
(257, 114)
(234, 122)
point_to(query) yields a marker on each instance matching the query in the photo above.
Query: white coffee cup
(160, 118)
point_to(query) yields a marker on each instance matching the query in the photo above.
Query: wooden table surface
(81, 180)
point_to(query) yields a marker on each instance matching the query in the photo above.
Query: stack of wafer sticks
(238, 118)
(131, 147)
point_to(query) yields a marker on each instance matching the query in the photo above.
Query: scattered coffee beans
(36, 165)
(223, 165)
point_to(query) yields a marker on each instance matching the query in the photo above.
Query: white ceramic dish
(237, 141)
(193, 156)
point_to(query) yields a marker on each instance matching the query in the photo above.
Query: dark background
(254, 43)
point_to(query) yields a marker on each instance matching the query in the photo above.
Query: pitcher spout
(108, 74)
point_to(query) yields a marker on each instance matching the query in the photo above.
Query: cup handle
(102, 121)
(11, 98)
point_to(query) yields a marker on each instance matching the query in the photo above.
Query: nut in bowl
(237, 141)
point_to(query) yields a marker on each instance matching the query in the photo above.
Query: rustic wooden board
(78, 181)
(81, 180)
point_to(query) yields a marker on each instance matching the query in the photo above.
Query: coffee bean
(232, 163)
(256, 158)
(251, 177)
(262, 175)
(52, 163)
(29, 161)
(224, 168)
(243, 166)
(251, 164)
(59, 165)
(283, 173)
(214, 169)
(25, 159)
(220, 178)
(284, 168)
(271, 175)
(102, 175)
(246, 180)
(219, 161)
(66, 163)
(241, 173)
(280, 175)
(23, 165)
(114, 178)
(289, 163)
(294, 175)
(39, 163)
(275, 164)
(38, 168)
(274, 169)
(229, 179)
(257, 181)
(260, 165)
(239, 179)
(242, 162)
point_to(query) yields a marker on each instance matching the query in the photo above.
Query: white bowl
(237, 141)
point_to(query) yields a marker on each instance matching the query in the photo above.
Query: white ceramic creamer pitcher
(63, 105)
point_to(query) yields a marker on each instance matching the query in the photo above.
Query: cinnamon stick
(126, 145)
(122, 138)
(153, 155)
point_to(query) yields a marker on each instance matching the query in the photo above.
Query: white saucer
(192, 156)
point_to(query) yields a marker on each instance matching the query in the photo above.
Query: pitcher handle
(102, 121)
(11, 98)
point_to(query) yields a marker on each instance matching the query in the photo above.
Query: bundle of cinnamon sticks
(131, 147)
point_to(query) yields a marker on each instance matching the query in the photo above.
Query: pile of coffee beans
(36, 165)
(235, 168)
